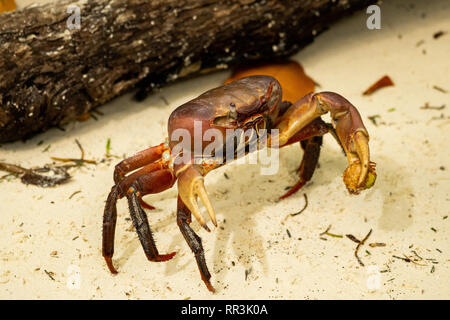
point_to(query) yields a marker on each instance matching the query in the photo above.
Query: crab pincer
(354, 138)
(190, 187)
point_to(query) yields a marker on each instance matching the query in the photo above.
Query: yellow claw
(361, 144)
(190, 186)
(200, 191)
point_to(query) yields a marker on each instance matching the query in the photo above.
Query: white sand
(410, 197)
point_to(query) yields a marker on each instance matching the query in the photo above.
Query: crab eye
(233, 113)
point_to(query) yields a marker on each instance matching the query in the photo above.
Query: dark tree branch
(49, 74)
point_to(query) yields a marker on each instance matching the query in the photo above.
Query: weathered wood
(50, 74)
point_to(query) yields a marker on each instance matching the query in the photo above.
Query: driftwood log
(50, 74)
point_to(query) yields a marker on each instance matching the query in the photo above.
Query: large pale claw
(361, 144)
(361, 173)
(191, 186)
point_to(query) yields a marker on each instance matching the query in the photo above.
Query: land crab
(253, 103)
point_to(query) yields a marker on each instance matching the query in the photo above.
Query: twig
(76, 192)
(414, 262)
(377, 244)
(359, 245)
(326, 231)
(408, 259)
(428, 107)
(49, 274)
(304, 208)
(12, 168)
(353, 238)
(439, 89)
(80, 147)
(334, 235)
(415, 253)
(439, 34)
(79, 161)
(401, 258)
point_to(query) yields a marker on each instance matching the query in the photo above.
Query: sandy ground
(45, 231)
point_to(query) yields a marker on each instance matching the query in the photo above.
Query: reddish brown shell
(247, 94)
(291, 75)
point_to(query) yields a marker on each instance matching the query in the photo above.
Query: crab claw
(360, 174)
(190, 186)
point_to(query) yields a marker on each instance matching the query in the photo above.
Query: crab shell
(249, 102)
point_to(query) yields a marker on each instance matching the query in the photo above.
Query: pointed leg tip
(210, 287)
(284, 196)
(146, 205)
(171, 255)
(206, 227)
(164, 257)
(293, 190)
(110, 265)
(287, 194)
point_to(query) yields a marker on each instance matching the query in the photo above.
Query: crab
(253, 103)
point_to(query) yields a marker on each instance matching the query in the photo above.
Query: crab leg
(310, 138)
(110, 212)
(127, 181)
(138, 160)
(194, 242)
(191, 186)
(145, 181)
(311, 148)
(109, 228)
(349, 128)
(141, 225)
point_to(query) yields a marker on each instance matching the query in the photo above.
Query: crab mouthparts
(256, 122)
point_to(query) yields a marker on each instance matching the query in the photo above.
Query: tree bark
(50, 74)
